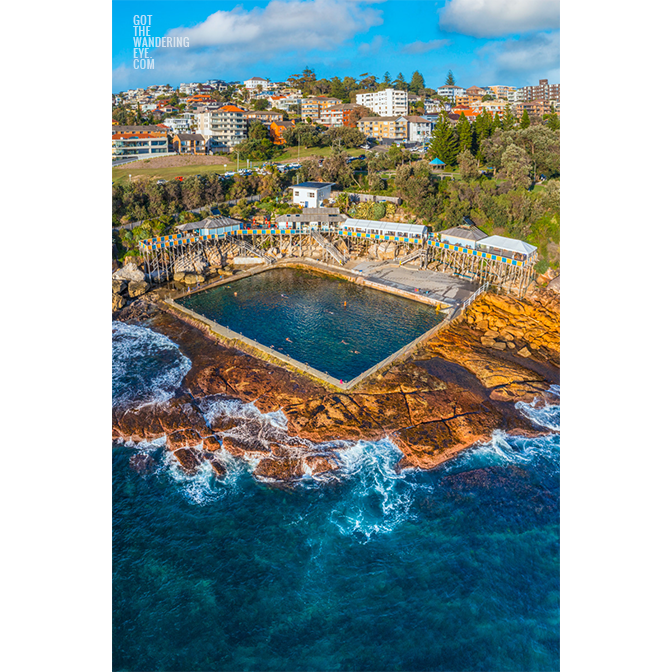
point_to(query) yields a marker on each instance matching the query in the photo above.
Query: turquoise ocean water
(361, 569)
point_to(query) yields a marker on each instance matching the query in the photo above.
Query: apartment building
(339, 115)
(222, 129)
(313, 107)
(536, 108)
(185, 123)
(384, 128)
(451, 92)
(135, 144)
(386, 103)
(285, 103)
(543, 91)
(264, 116)
(500, 91)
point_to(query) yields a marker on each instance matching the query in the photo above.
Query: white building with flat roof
(311, 194)
(386, 103)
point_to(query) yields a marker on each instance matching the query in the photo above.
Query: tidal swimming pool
(330, 324)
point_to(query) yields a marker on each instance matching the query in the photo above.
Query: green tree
(260, 104)
(517, 166)
(468, 165)
(400, 83)
(387, 80)
(417, 83)
(464, 134)
(525, 120)
(445, 144)
(509, 120)
(258, 131)
(450, 80)
(552, 121)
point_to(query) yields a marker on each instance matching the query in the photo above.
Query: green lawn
(137, 168)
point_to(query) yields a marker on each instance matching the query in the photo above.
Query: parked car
(161, 181)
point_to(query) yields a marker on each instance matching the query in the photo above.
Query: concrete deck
(432, 284)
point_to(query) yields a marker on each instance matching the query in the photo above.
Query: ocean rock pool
(332, 325)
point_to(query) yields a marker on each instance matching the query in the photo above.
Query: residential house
(388, 102)
(384, 128)
(188, 143)
(419, 129)
(255, 83)
(277, 130)
(435, 106)
(311, 194)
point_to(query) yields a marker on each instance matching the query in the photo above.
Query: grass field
(227, 163)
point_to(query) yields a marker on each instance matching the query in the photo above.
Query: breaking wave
(377, 496)
(147, 367)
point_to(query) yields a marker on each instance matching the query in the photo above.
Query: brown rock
(143, 464)
(524, 352)
(118, 302)
(188, 459)
(211, 444)
(118, 285)
(137, 288)
(183, 438)
(280, 469)
(498, 345)
(318, 464)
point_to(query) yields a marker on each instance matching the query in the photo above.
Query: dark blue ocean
(360, 569)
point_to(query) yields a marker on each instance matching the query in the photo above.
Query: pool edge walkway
(301, 367)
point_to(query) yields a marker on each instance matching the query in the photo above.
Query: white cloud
(523, 60)
(423, 47)
(231, 44)
(494, 18)
(318, 24)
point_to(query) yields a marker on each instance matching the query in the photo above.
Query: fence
(368, 197)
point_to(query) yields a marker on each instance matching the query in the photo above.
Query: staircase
(327, 246)
(420, 252)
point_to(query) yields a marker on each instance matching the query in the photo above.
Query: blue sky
(484, 42)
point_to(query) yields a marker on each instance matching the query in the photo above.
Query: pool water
(330, 324)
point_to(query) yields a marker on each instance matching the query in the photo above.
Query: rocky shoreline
(452, 392)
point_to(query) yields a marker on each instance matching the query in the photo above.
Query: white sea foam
(376, 497)
(147, 367)
(204, 486)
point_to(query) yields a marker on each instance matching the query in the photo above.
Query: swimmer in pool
(288, 340)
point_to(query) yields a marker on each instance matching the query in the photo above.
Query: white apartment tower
(386, 103)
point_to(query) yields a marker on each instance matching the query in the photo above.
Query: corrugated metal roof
(510, 244)
(471, 233)
(209, 223)
(415, 229)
